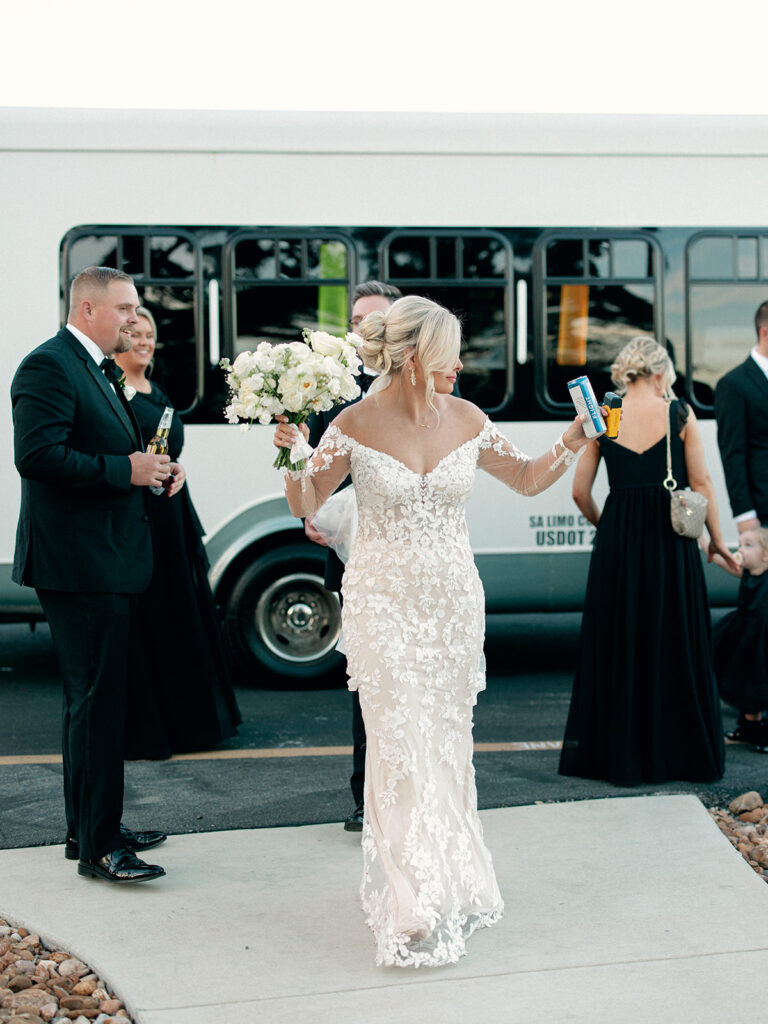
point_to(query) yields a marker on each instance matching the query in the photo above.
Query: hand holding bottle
(158, 445)
(149, 470)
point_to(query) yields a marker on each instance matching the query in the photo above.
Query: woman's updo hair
(642, 357)
(411, 326)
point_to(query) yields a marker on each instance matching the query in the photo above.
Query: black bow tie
(112, 371)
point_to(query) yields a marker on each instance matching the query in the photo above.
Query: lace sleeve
(325, 470)
(526, 475)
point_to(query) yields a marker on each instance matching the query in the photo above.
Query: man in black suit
(741, 402)
(741, 408)
(83, 542)
(366, 298)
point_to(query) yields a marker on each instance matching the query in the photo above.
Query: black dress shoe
(120, 866)
(747, 731)
(354, 822)
(136, 841)
(760, 737)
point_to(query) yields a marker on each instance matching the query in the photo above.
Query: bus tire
(281, 624)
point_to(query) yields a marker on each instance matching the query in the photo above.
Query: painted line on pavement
(267, 752)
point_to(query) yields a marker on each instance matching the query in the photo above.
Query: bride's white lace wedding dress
(413, 621)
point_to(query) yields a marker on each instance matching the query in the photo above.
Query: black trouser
(90, 636)
(357, 778)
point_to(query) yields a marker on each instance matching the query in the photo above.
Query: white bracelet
(566, 456)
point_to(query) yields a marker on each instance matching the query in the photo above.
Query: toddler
(741, 644)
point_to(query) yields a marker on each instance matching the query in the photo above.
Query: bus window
(281, 285)
(91, 250)
(596, 293)
(727, 280)
(166, 266)
(470, 273)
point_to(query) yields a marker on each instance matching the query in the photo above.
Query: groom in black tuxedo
(83, 542)
(741, 404)
(367, 297)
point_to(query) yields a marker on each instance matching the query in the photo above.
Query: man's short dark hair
(761, 318)
(367, 288)
(94, 279)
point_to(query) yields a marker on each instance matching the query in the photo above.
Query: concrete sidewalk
(629, 911)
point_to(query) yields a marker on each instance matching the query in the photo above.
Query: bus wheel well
(280, 623)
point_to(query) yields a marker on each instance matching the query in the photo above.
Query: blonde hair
(144, 312)
(761, 532)
(411, 326)
(642, 357)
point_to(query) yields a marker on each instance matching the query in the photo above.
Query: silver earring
(413, 377)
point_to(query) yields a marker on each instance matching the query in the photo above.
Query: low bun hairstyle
(411, 326)
(642, 357)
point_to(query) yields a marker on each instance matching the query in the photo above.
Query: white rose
(299, 351)
(294, 401)
(326, 344)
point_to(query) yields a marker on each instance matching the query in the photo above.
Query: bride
(413, 620)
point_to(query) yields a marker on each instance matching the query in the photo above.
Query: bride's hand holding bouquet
(289, 382)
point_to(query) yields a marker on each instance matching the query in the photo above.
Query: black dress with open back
(644, 707)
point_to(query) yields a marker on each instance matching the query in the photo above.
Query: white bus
(555, 238)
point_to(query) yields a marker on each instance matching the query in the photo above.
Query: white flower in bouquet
(327, 344)
(295, 378)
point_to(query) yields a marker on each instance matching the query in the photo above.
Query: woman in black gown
(644, 706)
(190, 704)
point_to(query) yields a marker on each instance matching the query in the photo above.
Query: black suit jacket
(82, 526)
(741, 408)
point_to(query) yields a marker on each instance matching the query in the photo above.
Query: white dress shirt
(90, 347)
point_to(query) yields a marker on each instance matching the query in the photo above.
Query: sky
(535, 56)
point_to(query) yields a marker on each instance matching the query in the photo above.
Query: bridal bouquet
(293, 379)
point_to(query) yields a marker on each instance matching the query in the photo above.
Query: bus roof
(227, 131)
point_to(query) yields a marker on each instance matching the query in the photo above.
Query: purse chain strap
(669, 481)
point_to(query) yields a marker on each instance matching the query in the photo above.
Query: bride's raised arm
(308, 489)
(524, 474)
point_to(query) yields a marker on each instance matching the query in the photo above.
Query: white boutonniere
(115, 375)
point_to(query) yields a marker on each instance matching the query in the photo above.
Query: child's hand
(721, 556)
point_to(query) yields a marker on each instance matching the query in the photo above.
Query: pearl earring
(413, 377)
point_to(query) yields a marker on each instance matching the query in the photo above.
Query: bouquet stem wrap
(294, 458)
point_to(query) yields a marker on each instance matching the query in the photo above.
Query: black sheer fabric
(644, 706)
(180, 694)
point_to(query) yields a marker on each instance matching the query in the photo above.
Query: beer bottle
(158, 443)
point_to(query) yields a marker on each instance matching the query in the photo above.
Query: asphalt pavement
(290, 762)
(621, 906)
